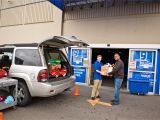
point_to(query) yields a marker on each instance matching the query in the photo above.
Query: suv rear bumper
(50, 89)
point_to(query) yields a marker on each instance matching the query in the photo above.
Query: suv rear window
(6, 57)
(28, 57)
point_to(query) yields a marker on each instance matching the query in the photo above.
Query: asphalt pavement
(65, 106)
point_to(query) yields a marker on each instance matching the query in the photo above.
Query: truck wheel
(23, 97)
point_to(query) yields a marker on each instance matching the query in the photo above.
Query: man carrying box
(118, 73)
(97, 78)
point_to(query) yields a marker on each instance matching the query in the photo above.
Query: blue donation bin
(142, 71)
(139, 86)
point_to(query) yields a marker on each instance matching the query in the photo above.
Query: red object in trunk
(3, 73)
(2, 98)
(57, 72)
(63, 72)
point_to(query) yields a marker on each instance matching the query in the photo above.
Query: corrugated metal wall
(19, 12)
(83, 9)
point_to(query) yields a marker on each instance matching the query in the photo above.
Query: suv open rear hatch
(55, 70)
(63, 41)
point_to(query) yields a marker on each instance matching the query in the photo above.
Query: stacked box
(106, 69)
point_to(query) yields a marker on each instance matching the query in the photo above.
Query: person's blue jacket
(97, 66)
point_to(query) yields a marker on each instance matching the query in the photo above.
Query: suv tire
(24, 96)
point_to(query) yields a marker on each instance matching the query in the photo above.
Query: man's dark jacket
(118, 70)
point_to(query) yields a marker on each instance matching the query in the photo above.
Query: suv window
(56, 55)
(28, 57)
(51, 53)
(6, 55)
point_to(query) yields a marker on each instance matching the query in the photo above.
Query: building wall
(25, 21)
(140, 29)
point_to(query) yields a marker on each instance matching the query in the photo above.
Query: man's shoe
(92, 98)
(112, 101)
(98, 97)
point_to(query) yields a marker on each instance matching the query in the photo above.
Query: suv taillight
(43, 76)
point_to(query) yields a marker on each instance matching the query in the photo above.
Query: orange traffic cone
(76, 92)
(1, 116)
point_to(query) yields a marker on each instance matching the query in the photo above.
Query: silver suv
(30, 65)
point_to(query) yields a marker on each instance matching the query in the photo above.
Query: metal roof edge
(138, 46)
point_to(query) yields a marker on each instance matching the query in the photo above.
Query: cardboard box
(106, 69)
(51, 67)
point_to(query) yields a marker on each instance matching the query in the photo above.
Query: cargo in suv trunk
(58, 66)
(57, 63)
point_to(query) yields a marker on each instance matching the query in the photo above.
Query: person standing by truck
(97, 78)
(118, 73)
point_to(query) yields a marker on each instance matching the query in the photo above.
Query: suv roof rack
(20, 45)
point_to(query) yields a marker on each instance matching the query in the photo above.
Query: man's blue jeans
(118, 83)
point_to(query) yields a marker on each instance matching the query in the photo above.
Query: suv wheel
(23, 97)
